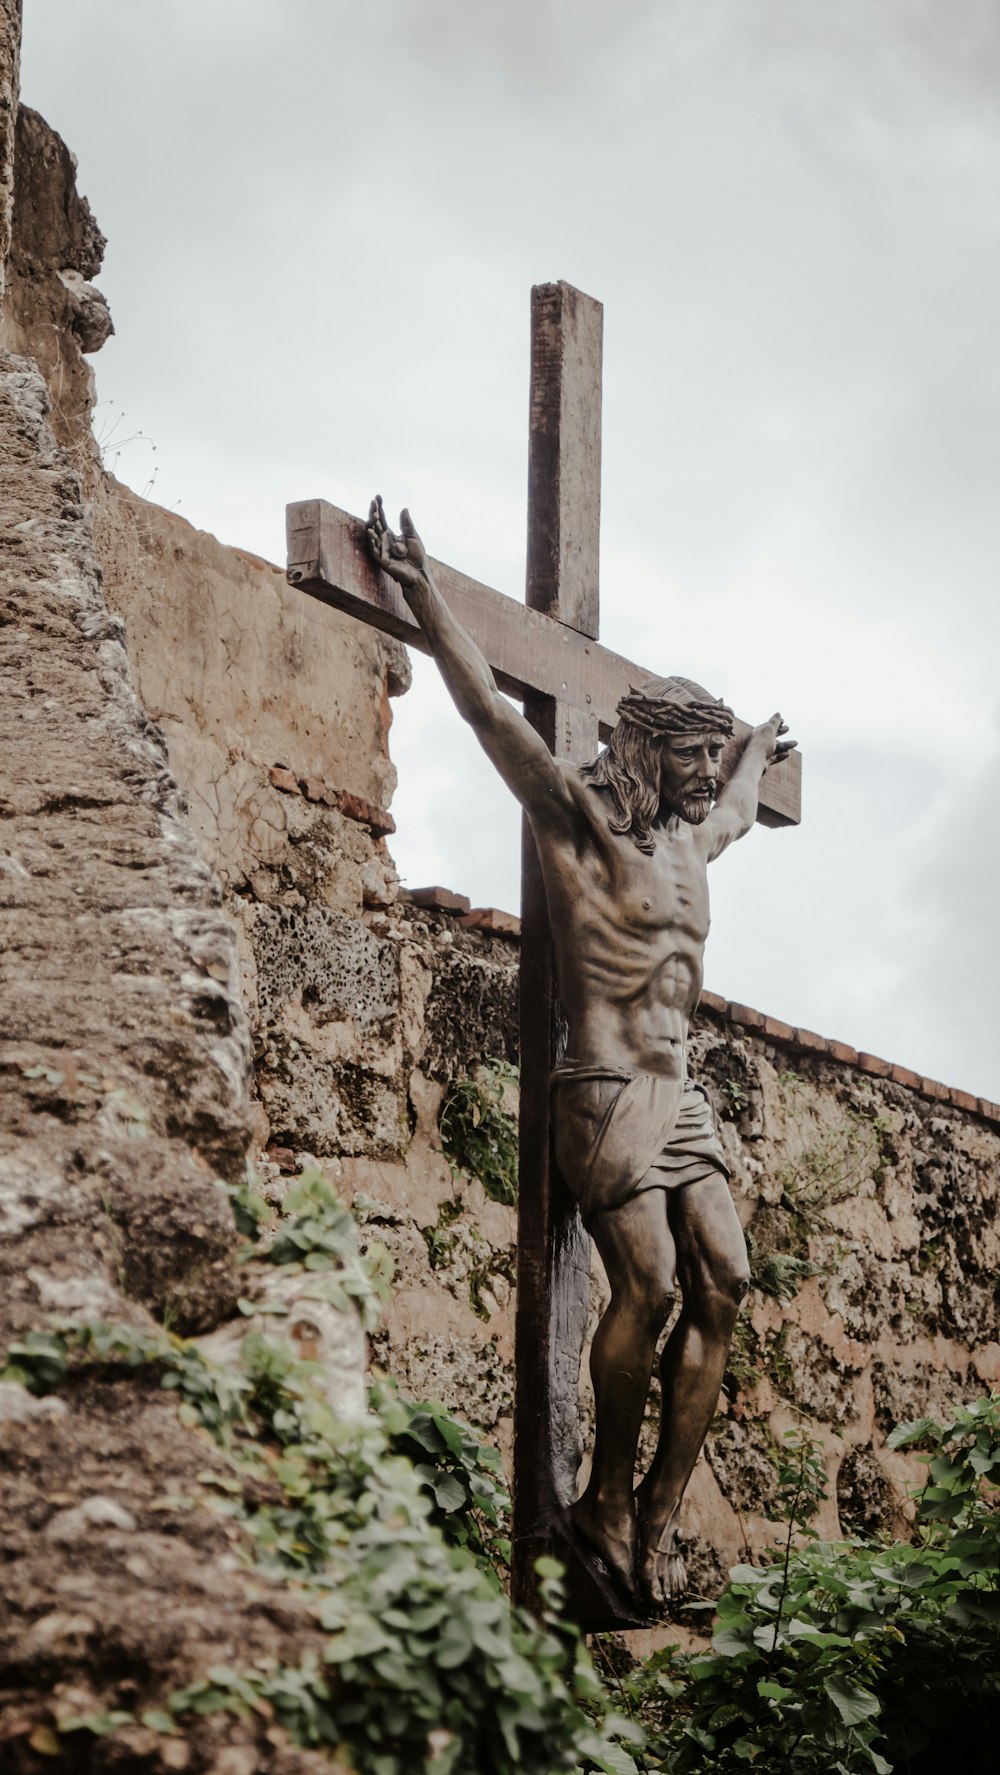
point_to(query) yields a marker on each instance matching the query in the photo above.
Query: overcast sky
(324, 219)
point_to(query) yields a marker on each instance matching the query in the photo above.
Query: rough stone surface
(290, 1304)
(10, 58)
(123, 1581)
(124, 1064)
(52, 310)
(124, 1050)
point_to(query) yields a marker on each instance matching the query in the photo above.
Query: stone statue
(624, 845)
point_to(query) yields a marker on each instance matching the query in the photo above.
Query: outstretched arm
(736, 808)
(511, 744)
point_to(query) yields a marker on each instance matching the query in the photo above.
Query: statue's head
(663, 756)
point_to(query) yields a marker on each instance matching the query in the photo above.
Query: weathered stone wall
(869, 1197)
(10, 59)
(119, 1012)
(124, 1072)
(124, 1097)
(52, 311)
(885, 1191)
(276, 715)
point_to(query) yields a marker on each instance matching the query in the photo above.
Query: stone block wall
(124, 1075)
(870, 1201)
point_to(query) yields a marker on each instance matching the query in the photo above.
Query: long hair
(629, 767)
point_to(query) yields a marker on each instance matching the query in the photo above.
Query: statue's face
(689, 774)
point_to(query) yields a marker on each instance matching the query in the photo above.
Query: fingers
(383, 543)
(414, 546)
(376, 529)
(409, 530)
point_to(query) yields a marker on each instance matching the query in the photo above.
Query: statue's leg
(714, 1276)
(637, 1250)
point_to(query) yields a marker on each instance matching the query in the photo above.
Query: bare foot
(610, 1535)
(662, 1572)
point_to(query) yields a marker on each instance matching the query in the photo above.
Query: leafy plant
(425, 1666)
(463, 1476)
(779, 1274)
(478, 1132)
(319, 1234)
(734, 1098)
(853, 1657)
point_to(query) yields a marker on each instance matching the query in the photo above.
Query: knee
(732, 1284)
(727, 1287)
(650, 1301)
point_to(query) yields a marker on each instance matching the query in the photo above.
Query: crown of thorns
(663, 715)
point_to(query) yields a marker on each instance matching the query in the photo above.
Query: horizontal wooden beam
(530, 654)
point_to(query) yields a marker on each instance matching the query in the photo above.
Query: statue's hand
(768, 737)
(402, 557)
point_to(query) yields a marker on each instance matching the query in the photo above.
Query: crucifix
(616, 1142)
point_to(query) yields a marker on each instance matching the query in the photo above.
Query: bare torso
(629, 933)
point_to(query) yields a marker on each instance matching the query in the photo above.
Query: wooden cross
(545, 652)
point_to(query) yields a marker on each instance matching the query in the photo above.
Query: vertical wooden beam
(564, 468)
(564, 456)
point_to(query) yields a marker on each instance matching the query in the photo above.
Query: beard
(695, 805)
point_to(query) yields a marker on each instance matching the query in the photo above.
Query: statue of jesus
(624, 845)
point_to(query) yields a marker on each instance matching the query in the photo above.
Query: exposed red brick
(901, 1075)
(283, 1157)
(990, 1110)
(811, 1042)
(778, 1031)
(744, 1014)
(933, 1088)
(284, 780)
(313, 788)
(439, 899)
(842, 1051)
(710, 1001)
(355, 807)
(871, 1063)
(964, 1100)
(490, 918)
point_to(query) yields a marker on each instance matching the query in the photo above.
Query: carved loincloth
(620, 1133)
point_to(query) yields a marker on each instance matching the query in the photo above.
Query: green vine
(479, 1132)
(425, 1665)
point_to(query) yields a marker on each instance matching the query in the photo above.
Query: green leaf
(449, 1493)
(159, 1721)
(730, 1644)
(904, 1435)
(852, 1704)
(775, 1692)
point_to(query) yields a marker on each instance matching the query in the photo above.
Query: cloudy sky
(324, 219)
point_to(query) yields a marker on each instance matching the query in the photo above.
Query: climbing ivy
(425, 1665)
(462, 1476)
(478, 1131)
